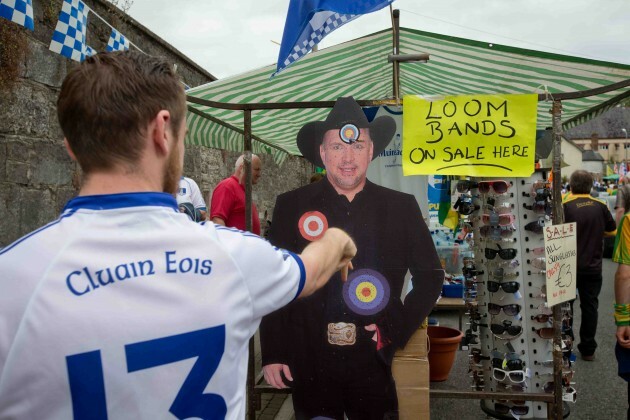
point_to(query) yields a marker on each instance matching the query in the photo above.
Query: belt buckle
(342, 334)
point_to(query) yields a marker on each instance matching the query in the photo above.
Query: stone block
(51, 165)
(19, 151)
(37, 208)
(44, 66)
(34, 104)
(17, 172)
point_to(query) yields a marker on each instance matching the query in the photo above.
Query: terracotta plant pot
(443, 345)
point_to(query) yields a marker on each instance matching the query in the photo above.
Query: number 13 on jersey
(87, 384)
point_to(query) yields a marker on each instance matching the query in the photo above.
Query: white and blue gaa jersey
(188, 192)
(123, 309)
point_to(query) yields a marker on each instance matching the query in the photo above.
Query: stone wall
(37, 176)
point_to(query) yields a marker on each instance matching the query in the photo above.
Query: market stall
(254, 113)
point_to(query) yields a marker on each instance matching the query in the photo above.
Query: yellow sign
(477, 135)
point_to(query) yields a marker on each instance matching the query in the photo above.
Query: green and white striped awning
(359, 68)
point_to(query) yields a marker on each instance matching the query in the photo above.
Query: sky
(229, 37)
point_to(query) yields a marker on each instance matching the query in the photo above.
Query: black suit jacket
(391, 238)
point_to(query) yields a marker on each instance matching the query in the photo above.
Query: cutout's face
(346, 164)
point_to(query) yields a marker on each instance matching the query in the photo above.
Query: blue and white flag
(18, 11)
(309, 21)
(69, 38)
(117, 42)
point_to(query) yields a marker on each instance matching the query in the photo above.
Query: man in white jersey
(122, 308)
(190, 201)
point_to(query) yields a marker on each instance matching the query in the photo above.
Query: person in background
(622, 201)
(227, 207)
(335, 348)
(621, 255)
(122, 308)
(593, 222)
(190, 200)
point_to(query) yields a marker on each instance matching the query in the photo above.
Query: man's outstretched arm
(323, 258)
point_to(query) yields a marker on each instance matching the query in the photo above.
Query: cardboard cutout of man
(335, 348)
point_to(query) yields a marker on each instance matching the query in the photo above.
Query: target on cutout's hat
(366, 292)
(312, 225)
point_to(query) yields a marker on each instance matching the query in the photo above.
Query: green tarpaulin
(359, 68)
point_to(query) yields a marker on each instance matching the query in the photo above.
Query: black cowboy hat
(346, 111)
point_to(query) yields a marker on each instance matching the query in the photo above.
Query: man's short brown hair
(581, 182)
(106, 103)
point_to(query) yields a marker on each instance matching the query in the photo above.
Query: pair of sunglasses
(495, 219)
(514, 376)
(540, 207)
(547, 332)
(542, 318)
(536, 226)
(541, 194)
(466, 185)
(516, 410)
(508, 286)
(506, 327)
(465, 206)
(503, 253)
(549, 386)
(498, 186)
(471, 272)
(499, 272)
(510, 361)
(500, 209)
(496, 232)
(536, 251)
(511, 309)
(540, 262)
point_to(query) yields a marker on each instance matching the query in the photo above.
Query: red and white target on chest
(312, 225)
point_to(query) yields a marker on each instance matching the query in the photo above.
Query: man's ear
(159, 131)
(69, 149)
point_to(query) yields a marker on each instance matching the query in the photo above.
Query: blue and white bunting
(18, 11)
(117, 42)
(89, 51)
(69, 38)
(308, 22)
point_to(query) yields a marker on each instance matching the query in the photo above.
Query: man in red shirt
(228, 199)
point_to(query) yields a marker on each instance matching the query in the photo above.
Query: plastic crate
(453, 290)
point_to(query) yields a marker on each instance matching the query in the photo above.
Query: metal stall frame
(255, 388)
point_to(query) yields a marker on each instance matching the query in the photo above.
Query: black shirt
(391, 238)
(592, 218)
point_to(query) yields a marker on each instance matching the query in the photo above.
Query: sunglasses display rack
(509, 322)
